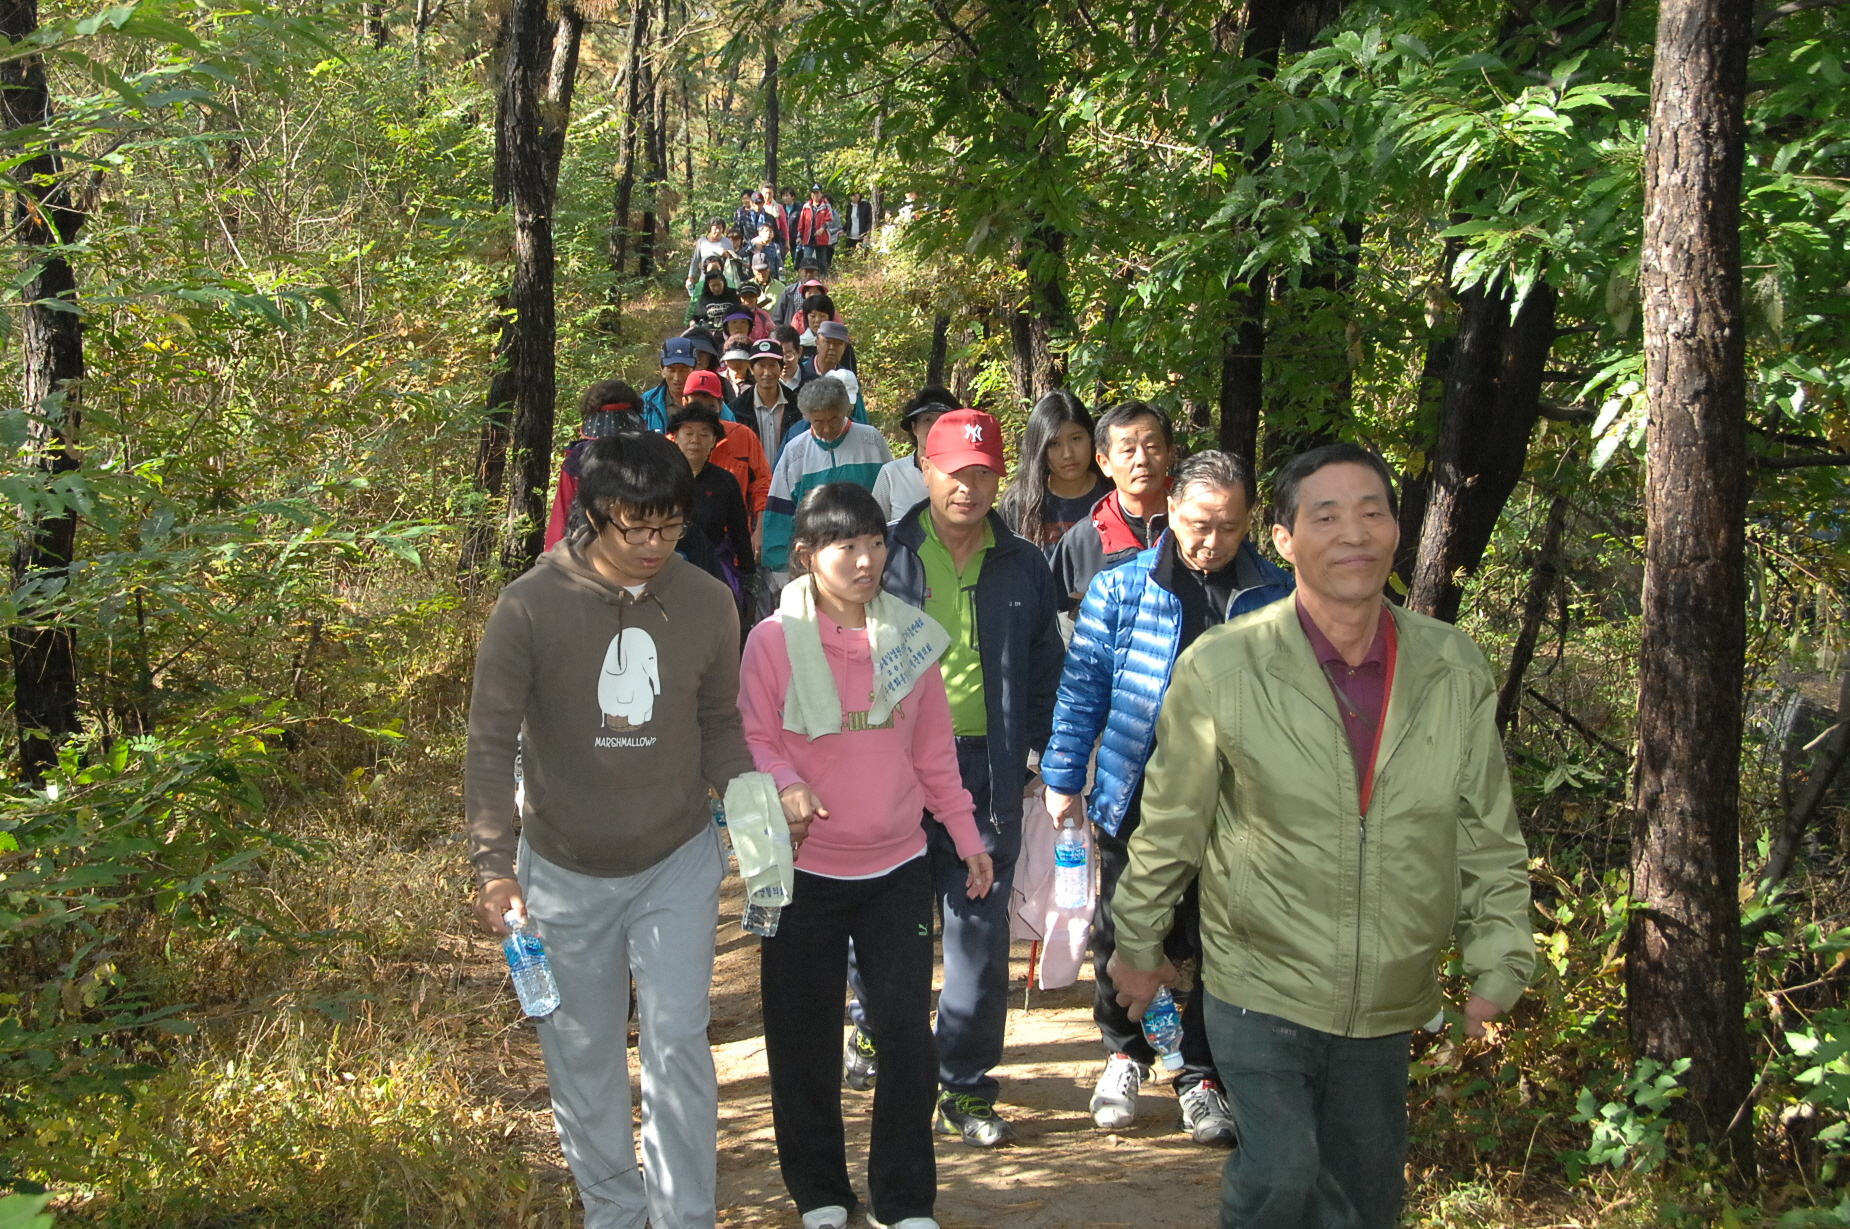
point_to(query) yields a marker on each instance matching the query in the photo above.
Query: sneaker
(857, 1061)
(975, 1119)
(833, 1216)
(910, 1222)
(1114, 1100)
(1205, 1115)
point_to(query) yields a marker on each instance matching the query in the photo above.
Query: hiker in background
(788, 208)
(612, 666)
(716, 299)
(834, 449)
(707, 346)
(804, 284)
(1137, 619)
(677, 364)
(901, 484)
(952, 557)
(1134, 445)
(1057, 479)
(605, 408)
(752, 295)
(791, 343)
(768, 407)
(713, 246)
(764, 243)
(816, 229)
(769, 280)
(736, 362)
(857, 754)
(858, 221)
(718, 510)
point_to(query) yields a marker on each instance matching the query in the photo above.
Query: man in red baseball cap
(992, 591)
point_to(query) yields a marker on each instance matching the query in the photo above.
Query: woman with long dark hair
(1056, 478)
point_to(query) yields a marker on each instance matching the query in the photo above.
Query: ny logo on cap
(973, 432)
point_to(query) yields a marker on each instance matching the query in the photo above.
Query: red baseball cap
(703, 382)
(963, 438)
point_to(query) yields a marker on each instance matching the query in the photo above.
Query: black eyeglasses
(637, 535)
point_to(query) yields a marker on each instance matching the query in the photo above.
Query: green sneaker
(975, 1119)
(858, 1067)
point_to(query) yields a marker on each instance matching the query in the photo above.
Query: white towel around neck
(904, 640)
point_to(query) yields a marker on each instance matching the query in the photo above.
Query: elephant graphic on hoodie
(630, 681)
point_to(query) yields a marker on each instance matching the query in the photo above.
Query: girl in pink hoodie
(858, 754)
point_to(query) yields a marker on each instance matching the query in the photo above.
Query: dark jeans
(973, 1002)
(1120, 1033)
(802, 971)
(1322, 1122)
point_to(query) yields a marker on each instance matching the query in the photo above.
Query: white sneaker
(1114, 1100)
(910, 1222)
(832, 1217)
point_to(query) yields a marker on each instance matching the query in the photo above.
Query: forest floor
(1063, 1172)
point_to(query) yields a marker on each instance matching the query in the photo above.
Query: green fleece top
(1311, 910)
(950, 598)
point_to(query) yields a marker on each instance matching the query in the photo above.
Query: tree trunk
(530, 298)
(1824, 769)
(1492, 397)
(1242, 372)
(1543, 576)
(491, 449)
(656, 148)
(561, 80)
(771, 117)
(1684, 982)
(52, 357)
(876, 199)
(626, 176)
(940, 348)
(374, 18)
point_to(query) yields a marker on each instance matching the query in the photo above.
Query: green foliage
(1629, 1130)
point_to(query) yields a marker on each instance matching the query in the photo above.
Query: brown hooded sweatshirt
(629, 706)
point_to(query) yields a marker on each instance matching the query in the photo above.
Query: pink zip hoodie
(874, 783)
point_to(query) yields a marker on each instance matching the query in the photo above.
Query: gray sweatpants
(657, 925)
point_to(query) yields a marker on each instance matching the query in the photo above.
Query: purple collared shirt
(1360, 691)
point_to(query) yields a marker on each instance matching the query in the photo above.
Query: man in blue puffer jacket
(1135, 621)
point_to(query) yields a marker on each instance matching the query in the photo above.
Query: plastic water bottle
(1162, 1028)
(1072, 874)
(717, 807)
(761, 920)
(526, 958)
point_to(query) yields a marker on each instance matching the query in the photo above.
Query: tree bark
(626, 176)
(940, 348)
(561, 80)
(1544, 575)
(1829, 762)
(1492, 397)
(491, 449)
(1242, 372)
(1684, 982)
(528, 177)
(771, 118)
(44, 214)
(376, 30)
(655, 146)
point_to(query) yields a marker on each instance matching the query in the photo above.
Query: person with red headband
(607, 407)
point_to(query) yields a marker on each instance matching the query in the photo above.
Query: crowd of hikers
(1292, 785)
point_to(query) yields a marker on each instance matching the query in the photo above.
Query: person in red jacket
(738, 452)
(816, 229)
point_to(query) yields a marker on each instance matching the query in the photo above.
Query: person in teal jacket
(834, 449)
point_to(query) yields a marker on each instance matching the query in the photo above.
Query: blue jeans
(973, 1002)
(1322, 1122)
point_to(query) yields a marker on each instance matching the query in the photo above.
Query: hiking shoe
(975, 1119)
(857, 1061)
(834, 1216)
(1114, 1100)
(1205, 1115)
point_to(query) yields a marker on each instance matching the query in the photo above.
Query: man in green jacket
(1329, 766)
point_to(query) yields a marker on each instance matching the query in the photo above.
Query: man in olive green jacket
(1330, 767)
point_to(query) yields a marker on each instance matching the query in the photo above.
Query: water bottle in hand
(1162, 1028)
(526, 958)
(761, 920)
(1072, 873)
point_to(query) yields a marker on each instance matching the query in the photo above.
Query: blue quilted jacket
(1117, 669)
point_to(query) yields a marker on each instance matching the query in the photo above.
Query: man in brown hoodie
(614, 665)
